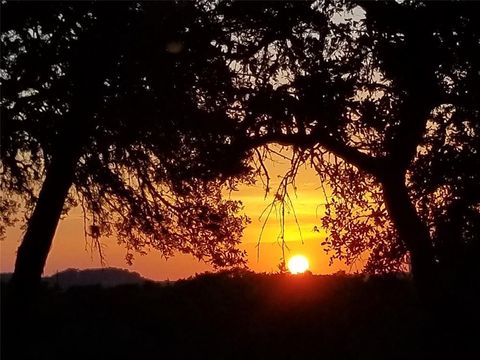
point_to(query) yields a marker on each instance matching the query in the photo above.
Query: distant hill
(106, 277)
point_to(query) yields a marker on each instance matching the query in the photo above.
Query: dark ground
(230, 316)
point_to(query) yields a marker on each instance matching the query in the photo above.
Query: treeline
(230, 315)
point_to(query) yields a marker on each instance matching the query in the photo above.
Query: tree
(380, 97)
(118, 108)
(388, 91)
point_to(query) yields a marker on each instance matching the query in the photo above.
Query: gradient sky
(69, 249)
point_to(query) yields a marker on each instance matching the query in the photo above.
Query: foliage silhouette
(119, 109)
(382, 99)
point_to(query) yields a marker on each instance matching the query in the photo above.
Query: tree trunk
(411, 229)
(33, 251)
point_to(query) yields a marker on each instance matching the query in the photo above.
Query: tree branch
(351, 155)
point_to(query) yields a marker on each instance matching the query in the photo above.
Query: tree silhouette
(119, 109)
(382, 99)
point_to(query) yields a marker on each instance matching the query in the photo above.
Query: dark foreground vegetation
(234, 315)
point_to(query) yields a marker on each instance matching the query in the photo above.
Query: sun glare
(298, 264)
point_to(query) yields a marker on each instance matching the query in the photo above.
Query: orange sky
(69, 248)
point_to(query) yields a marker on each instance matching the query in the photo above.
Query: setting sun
(298, 264)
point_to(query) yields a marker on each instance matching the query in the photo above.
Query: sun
(298, 264)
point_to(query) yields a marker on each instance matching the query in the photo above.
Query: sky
(69, 249)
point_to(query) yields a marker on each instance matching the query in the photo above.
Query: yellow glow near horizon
(69, 249)
(298, 264)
